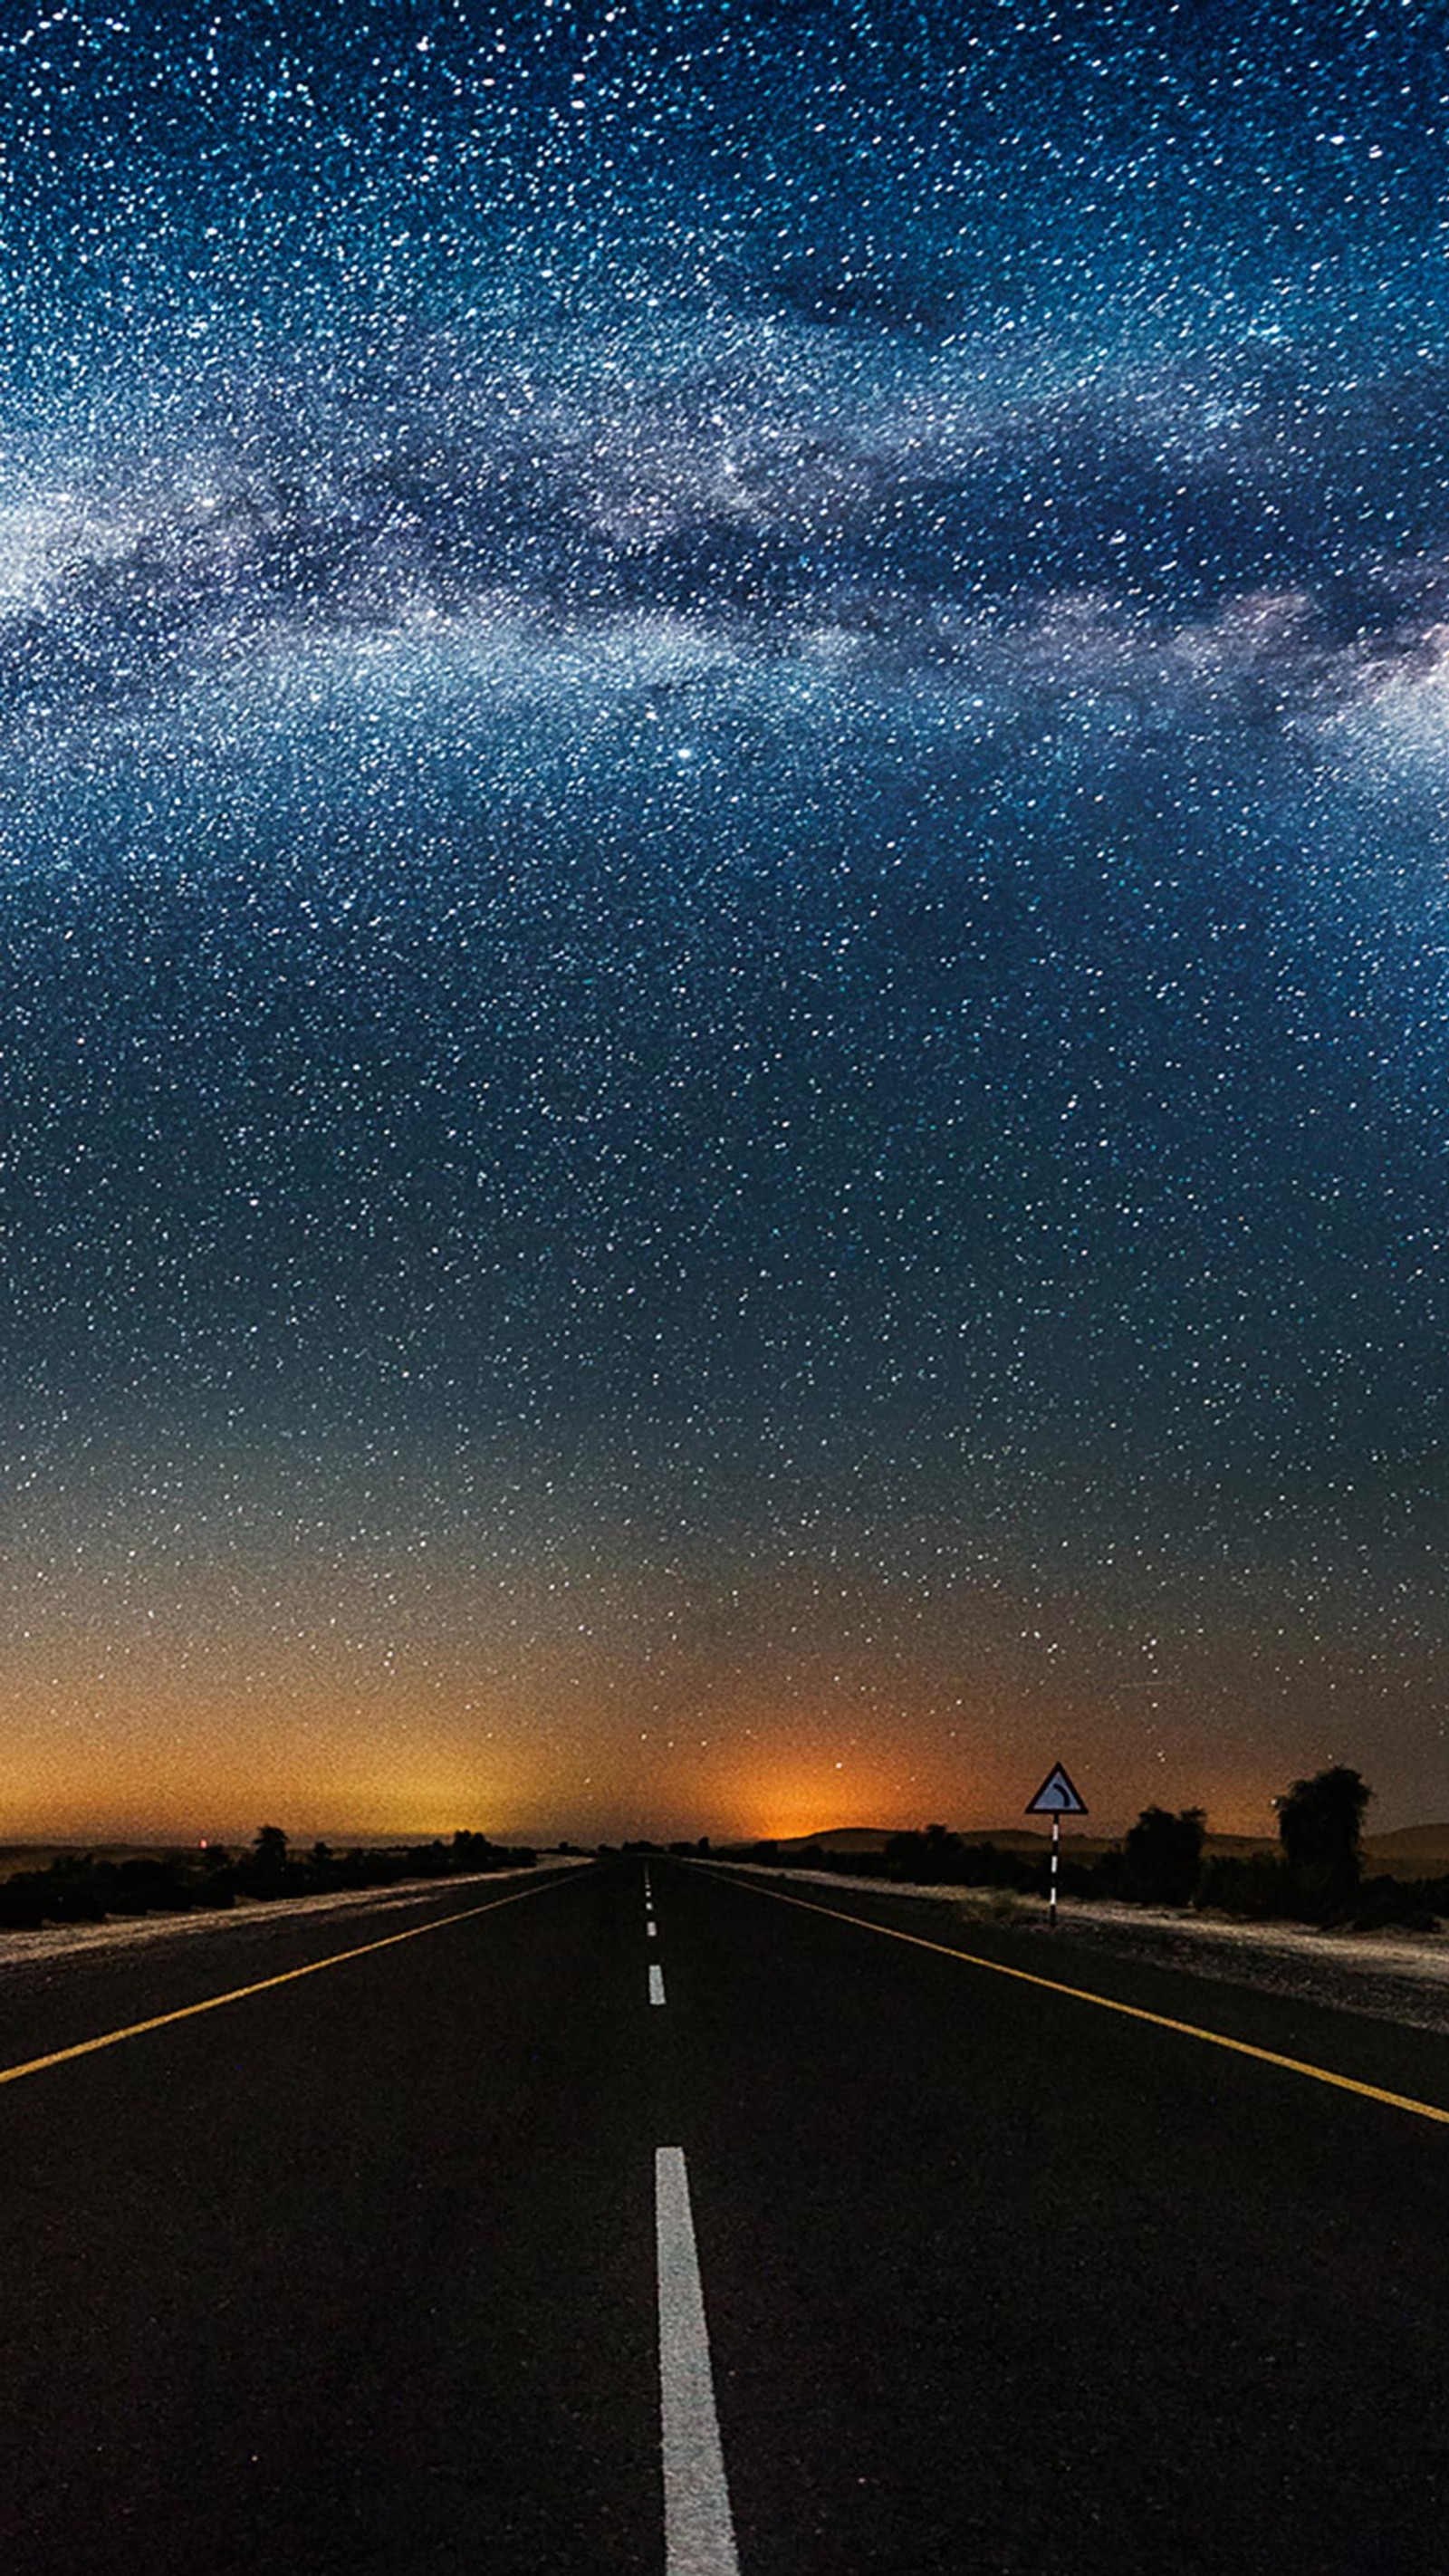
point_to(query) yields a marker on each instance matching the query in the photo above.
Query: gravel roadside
(20, 1950)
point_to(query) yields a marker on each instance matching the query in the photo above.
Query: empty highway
(664, 2219)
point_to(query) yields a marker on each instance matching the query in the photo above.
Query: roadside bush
(22, 1901)
(987, 1865)
(78, 1888)
(144, 1886)
(1320, 1826)
(1384, 1904)
(1257, 1886)
(75, 1898)
(1162, 1856)
(1109, 1874)
(265, 1870)
(475, 1851)
(935, 1858)
(1079, 1878)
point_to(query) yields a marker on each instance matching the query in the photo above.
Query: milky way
(722, 742)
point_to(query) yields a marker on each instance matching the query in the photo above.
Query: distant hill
(845, 1842)
(1411, 1850)
(863, 1841)
(843, 1838)
(1421, 1847)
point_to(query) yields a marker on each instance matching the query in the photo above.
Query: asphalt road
(362, 2272)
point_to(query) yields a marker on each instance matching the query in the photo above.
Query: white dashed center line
(656, 1985)
(699, 2533)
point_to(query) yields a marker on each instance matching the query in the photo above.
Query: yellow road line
(1107, 2003)
(263, 1985)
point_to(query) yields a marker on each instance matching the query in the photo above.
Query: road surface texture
(378, 2269)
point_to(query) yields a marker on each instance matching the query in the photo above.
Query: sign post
(1056, 1798)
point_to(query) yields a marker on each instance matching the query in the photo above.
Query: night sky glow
(723, 747)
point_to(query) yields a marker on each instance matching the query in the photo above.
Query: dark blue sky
(724, 741)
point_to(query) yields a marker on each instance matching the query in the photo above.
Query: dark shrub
(149, 1886)
(1257, 1886)
(1109, 1874)
(1162, 1855)
(1320, 1826)
(475, 1852)
(76, 1897)
(935, 1858)
(22, 1901)
(264, 1870)
(1383, 1903)
(987, 1865)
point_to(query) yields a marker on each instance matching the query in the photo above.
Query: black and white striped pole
(1056, 1798)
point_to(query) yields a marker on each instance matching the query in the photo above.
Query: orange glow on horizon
(163, 1746)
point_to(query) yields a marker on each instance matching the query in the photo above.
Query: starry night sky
(723, 744)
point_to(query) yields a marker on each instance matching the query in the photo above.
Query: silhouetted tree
(474, 1851)
(266, 1870)
(1162, 1856)
(1320, 1826)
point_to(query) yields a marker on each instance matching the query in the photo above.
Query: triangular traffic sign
(1056, 1796)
